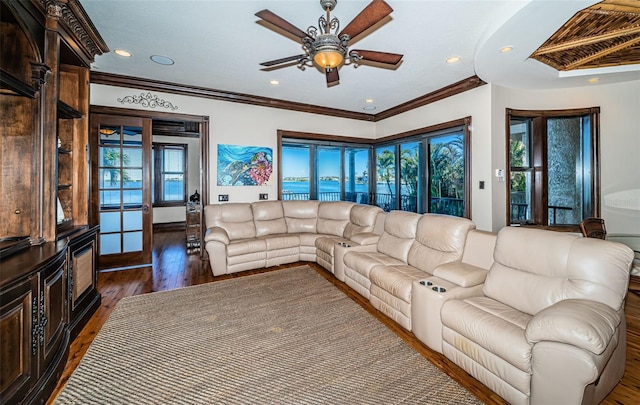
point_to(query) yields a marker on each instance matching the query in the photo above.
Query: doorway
(123, 183)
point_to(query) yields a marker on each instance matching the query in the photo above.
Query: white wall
(240, 124)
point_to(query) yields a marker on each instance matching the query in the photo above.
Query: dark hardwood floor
(174, 268)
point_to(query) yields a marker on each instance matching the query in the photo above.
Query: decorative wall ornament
(148, 100)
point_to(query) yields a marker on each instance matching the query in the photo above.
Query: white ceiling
(219, 44)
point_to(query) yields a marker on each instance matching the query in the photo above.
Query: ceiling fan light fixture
(327, 51)
(328, 59)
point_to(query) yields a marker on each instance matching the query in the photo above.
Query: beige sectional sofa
(244, 236)
(537, 316)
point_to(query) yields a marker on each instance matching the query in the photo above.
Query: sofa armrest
(365, 238)
(462, 274)
(216, 234)
(589, 325)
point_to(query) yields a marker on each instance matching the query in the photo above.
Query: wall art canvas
(244, 165)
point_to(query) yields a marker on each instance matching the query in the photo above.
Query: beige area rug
(283, 337)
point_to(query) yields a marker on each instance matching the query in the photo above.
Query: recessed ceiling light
(162, 60)
(506, 49)
(122, 52)
(594, 80)
(369, 100)
(369, 108)
(453, 59)
(274, 82)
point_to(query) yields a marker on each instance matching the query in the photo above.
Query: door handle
(145, 208)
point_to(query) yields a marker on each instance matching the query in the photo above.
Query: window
(426, 170)
(325, 171)
(552, 156)
(170, 174)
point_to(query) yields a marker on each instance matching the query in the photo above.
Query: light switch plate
(264, 196)
(223, 197)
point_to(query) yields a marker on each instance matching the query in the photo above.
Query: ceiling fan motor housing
(328, 4)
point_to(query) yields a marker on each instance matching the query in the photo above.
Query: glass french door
(121, 184)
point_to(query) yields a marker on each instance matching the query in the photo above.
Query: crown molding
(451, 90)
(111, 79)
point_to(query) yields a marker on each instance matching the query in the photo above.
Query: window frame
(538, 163)
(158, 173)
(420, 134)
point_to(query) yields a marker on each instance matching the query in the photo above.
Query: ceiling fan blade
(281, 23)
(380, 57)
(283, 60)
(370, 15)
(332, 77)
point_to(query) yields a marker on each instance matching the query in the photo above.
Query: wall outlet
(264, 196)
(223, 197)
(481, 185)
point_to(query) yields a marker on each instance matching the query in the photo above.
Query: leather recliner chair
(549, 327)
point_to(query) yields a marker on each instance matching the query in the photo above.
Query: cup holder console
(427, 283)
(344, 244)
(439, 289)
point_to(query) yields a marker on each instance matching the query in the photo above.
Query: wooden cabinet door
(18, 340)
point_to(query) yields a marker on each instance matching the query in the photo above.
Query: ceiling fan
(327, 47)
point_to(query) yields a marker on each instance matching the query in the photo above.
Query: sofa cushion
(496, 327)
(246, 246)
(397, 279)
(235, 218)
(363, 262)
(301, 216)
(399, 234)
(268, 217)
(362, 218)
(439, 239)
(333, 217)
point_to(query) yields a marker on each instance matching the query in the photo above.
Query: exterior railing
(386, 201)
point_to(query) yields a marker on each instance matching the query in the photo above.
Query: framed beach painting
(244, 165)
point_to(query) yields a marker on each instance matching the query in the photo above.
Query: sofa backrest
(535, 268)
(235, 218)
(439, 239)
(479, 247)
(301, 216)
(399, 234)
(362, 218)
(333, 217)
(268, 217)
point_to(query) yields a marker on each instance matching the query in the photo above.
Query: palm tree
(111, 160)
(386, 162)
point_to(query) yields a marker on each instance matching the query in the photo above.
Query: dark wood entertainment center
(48, 245)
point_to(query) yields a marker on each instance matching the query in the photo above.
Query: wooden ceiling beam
(602, 53)
(587, 40)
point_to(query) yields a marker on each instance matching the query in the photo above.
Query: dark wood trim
(467, 166)
(423, 130)
(110, 79)
(221, 95)
(169, 226)
(323, 137)
(451, 90)
(127, 112)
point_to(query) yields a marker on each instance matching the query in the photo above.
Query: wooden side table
(193, 225)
